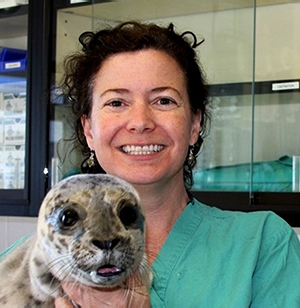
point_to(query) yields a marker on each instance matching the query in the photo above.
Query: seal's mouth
(109, 270)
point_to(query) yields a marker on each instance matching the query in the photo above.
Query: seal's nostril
(106, 245)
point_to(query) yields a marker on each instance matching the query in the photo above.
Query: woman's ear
(87, 130)
(196, 127)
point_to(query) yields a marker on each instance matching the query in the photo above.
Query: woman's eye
(166, 103)
(115, 103)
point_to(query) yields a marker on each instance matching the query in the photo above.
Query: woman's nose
(140, 118)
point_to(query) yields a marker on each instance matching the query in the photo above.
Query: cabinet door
(251, 159)
(13, 99)
(24, 35)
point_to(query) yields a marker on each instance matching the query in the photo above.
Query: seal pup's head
(91, 230)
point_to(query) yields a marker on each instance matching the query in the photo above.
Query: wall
(13, 228)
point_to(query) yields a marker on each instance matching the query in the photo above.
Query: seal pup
(90, 230)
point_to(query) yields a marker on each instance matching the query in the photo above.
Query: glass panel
(277, 109)
(276, 140)
(273, 140)
(224, 163)
(13, 64)
(69, 25)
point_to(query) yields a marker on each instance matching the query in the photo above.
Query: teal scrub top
(214, 258)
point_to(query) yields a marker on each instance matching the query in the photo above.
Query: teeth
(142, 150)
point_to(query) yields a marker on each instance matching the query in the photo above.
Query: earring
(89, 163)
(91, 160)
(191, 156)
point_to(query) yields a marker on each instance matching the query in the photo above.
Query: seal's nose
(106, 245)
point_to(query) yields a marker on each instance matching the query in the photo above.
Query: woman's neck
(162, 207)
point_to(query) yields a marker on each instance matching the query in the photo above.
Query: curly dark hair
(81, 68)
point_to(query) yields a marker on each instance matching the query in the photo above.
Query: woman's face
(141, 124)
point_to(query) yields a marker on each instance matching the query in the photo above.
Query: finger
(93, 297)
(63, 303)
(89, 297)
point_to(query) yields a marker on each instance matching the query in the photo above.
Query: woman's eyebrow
(162, 89)
(154, 90)
(116, 90)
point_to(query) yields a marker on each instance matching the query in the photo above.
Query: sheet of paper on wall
(12, 140)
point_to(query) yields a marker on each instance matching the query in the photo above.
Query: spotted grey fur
(90, 230)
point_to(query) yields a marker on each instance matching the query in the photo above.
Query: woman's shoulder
(267, 224)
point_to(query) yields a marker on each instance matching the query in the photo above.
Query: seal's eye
(68, 218)
(128, 215)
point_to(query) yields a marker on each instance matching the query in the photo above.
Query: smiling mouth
(142, 150)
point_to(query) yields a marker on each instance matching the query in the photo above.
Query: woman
(141, 106)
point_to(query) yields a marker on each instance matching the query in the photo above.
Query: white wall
(13, 228)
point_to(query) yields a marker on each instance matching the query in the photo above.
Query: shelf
(263, 87)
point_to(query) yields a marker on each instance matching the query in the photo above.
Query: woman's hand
(89, 297)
